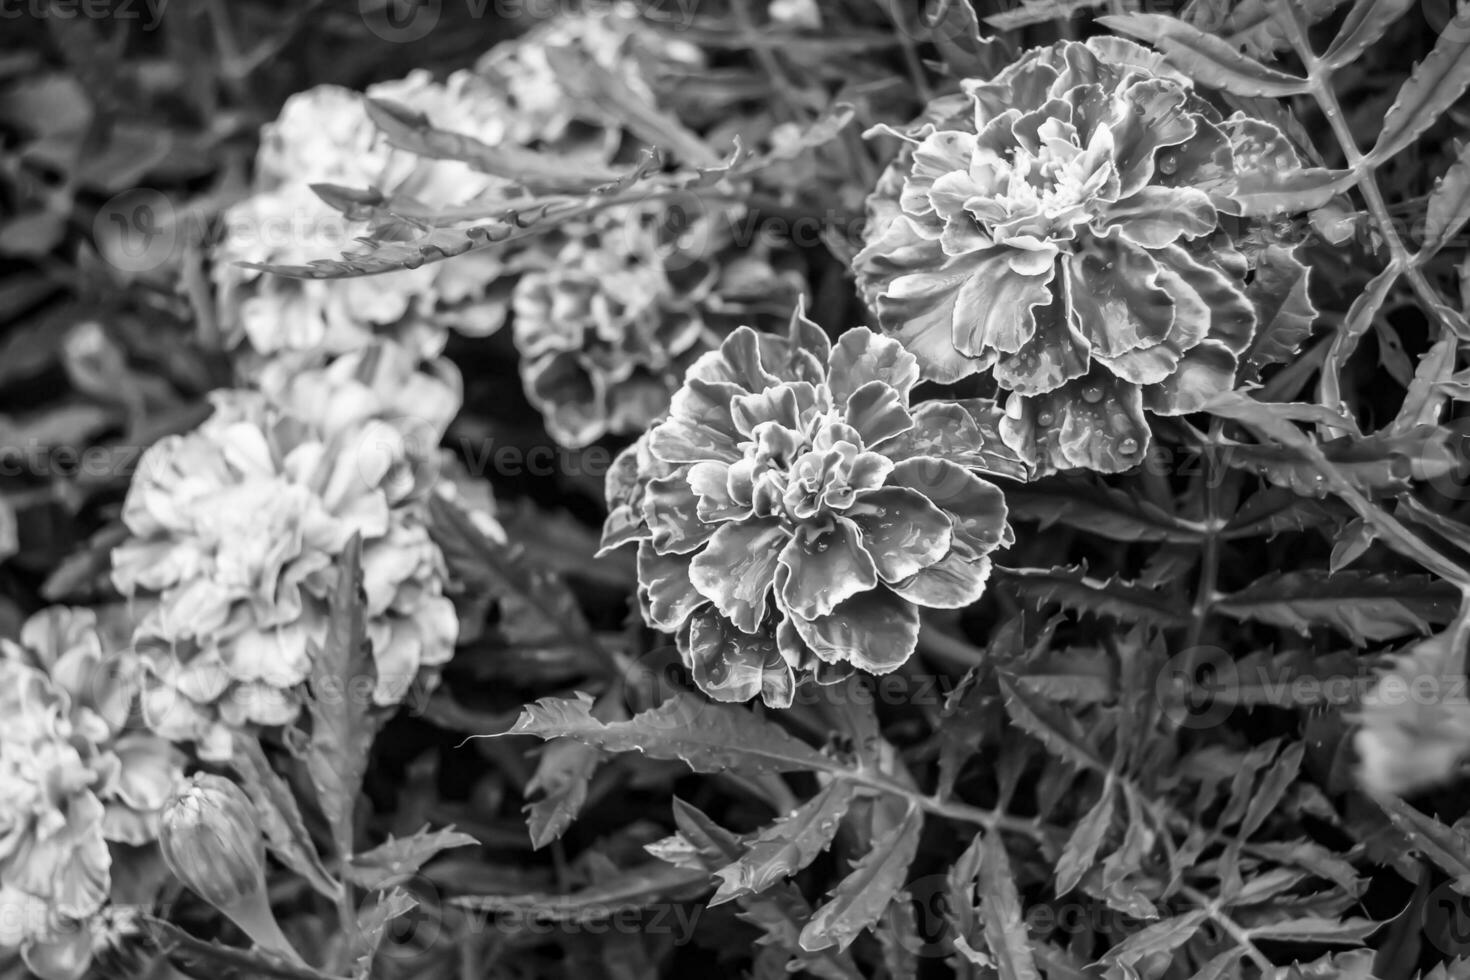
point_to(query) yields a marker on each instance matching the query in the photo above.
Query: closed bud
(212, 843)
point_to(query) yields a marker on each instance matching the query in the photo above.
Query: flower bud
(211, 842)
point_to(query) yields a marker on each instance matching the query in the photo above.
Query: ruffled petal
(727, 664)
(1151, 364)
(736, 568)
(821, 567)
(876, 631)
(671, 514)
(1203, 372)
(1159, 216)
(994, 306)
(667, 595)
(952, 583)
(861, 356)
(878, 412)
(1116, 295)
(976, 508)
(1054, 355)
(902, 530)
(1094, 423)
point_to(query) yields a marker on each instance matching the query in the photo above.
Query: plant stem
(1241, 937)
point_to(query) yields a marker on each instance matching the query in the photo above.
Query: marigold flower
(793, 511)
(237, 528)
(325, 136)
(614, 309)
(73, 780)
(1064, 227)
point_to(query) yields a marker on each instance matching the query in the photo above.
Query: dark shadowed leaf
(400, 857)
(859, 899)
(372, 924)
(1000, 907)
(1365, 607)
(1433, 87)
(1364, 24)
(788, 845)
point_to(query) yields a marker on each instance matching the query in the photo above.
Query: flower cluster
(1064, 227)
(237, 531)
(325, 136)
(793, 511)
(614, 309)
(74, 779)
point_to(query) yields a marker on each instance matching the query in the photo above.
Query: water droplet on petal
(1168, 163)
(1092, 393)
(1128, 446)
(1045, 418)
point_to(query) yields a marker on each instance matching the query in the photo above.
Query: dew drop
(1092, 393)
(1045, 418)
(1168, 163)
(1128, 446)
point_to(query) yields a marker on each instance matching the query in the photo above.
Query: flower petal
(1152, 364)
(976, 508)
(953, 583)
(1159, 216)
(727, 664)
(671, 513)
(1054, 355)
(737, 362)
(736, 568)
(902, 530)
(711, 483)
(993, 309)
(1094, 422)
(665, 591)
(1118, 300)
(861, 356)
(822, 568)
(878, 412)
(1203, 372)
(876, 631)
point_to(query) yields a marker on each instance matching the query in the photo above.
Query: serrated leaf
(1098, 509)
(412, 132)
(1273, 788)
(1161, 937)
(1280, 292)
(707, 736)
(1039, 12)
(1112, 597)
(562, 776)
(788, 845)
(1313, 930)
(341, 724)
(280, 815)
(400, 857)
(1205, 58)
(1262, 193)
(1445, 847)
(372, 924)
(1000, 908)
(779, 913)
(859, 899)
(629, 890)
(1273, 510)
(1432, 87)
(1364, 24)
(1363, 606)
(1061, 733)
(1221, 966)
(956, 33)
(898, 938)
(1086, 840)
(1448, 207)
(1383, 462)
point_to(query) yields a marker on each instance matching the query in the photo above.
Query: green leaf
(1000, 906)
(400, 857)
(788, 845)
(1364, 24)
(1445, 847)
(1313, 930)
(1448, 207)
(956, 33)
(1205, 58)
(342, 728)
(709, 737)
(1273, 789)
(372, 924)
(1112, 597)
(1281, 294)
(1061, 733)
(1262, 193)
(898, 937)
(779, 912)
(562, 776)
(860, 899)
(1161, 937)
(1106, 511)
(1365, 607)
(412, 132)
(629, 890)
(1086, 840)
(280, 815)
(1433, 86)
